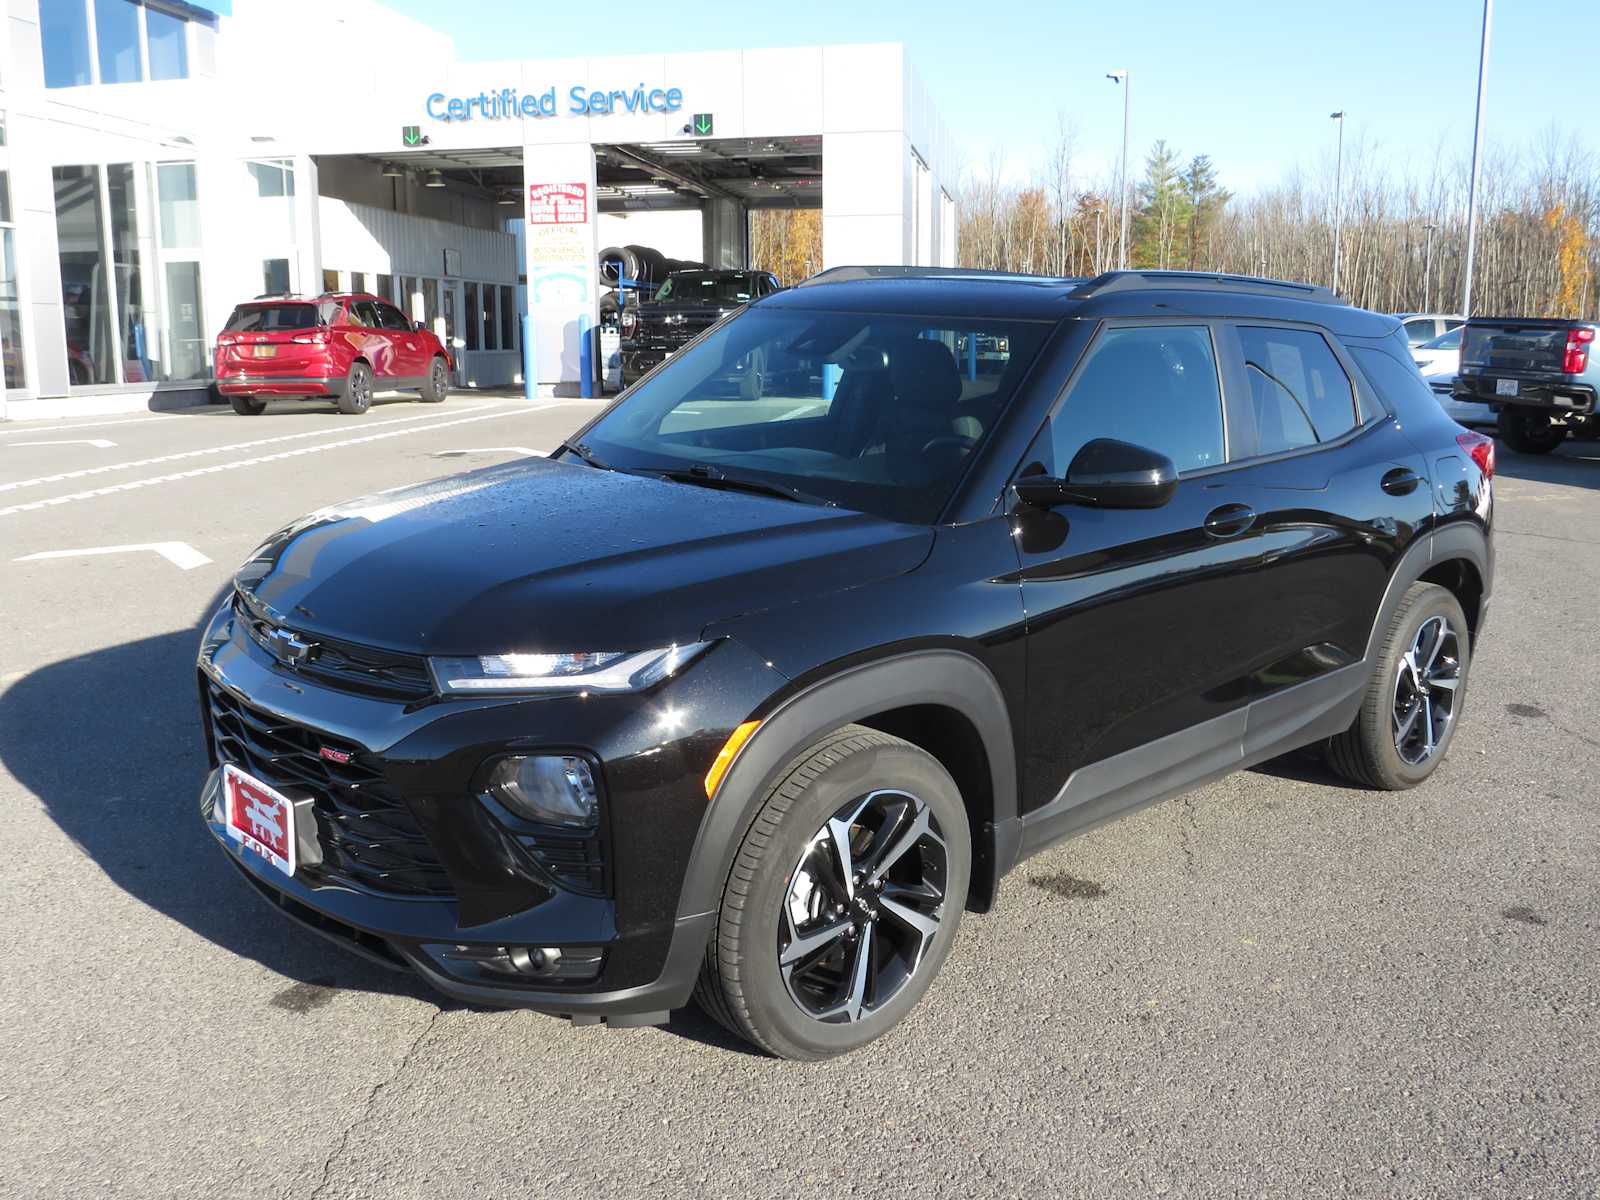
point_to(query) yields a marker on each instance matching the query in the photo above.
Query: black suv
(685, 306)
(748, 691)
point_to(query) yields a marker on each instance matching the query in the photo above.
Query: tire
(1370, 752)
(247, 406)
(357, 395)
(437, 386)
(1528, 431)
(787, 861)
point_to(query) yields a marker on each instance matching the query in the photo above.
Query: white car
(1440, 356)
(1424, 327)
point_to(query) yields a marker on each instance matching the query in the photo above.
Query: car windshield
(879, 413)
(1445, 341)
(259, 318)
(710, 286)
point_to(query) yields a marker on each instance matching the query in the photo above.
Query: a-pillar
(559, 204)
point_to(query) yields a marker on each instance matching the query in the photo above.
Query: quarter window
(1298, 390)
(1154, 386)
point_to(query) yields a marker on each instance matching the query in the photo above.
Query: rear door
(273, 339)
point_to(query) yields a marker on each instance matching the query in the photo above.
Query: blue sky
(1250, 82)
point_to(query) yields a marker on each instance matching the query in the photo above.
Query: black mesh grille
(368, 836)
(345, 665)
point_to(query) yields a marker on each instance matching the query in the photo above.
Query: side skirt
(1182, 761)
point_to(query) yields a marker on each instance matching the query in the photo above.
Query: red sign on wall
(558, 203)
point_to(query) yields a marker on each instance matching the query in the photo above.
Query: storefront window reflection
(141, 352)
(84, 299)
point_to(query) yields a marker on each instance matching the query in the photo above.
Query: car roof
(963, 292)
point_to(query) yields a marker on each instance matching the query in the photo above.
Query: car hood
(689, 310)
(538, 555)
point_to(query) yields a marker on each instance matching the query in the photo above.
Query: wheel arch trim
(947, 678)
(1458, 540)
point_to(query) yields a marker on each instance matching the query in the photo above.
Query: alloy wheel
(439, 380)
(1426, 684)
(862, 906)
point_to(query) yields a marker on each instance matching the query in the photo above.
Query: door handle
(1230, 520)
(1401, 481)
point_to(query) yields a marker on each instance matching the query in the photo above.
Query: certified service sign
(558, 203)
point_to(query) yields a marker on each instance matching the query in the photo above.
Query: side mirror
(420, 326)
(1105, 473)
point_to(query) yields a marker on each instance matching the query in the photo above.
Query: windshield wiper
(583, 452)
(704, 475)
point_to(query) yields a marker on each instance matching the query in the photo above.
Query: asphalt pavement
(1276, 986)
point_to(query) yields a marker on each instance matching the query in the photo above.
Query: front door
(1138, 619)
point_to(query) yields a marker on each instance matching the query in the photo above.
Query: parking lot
(1276, 986)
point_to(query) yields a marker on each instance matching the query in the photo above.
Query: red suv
(341, 344)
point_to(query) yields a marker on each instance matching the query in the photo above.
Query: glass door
(450, 306)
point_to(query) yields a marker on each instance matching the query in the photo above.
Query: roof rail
(1130, 281)
(854, 273)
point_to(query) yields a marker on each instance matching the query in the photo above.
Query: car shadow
(1305, 765)
(1573, 463)
(110, 742)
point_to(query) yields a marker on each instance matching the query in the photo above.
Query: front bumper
(648, 951)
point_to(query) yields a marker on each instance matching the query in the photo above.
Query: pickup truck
(685, 306)
(1540, 375)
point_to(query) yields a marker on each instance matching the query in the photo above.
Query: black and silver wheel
(357, 396)
(438, 385)
(247, 406)
(1528, 430)
(1410, 711)
(844, 898)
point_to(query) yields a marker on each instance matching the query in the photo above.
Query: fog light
(550, 963)
(548, 789)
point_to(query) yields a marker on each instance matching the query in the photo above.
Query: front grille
(343, 665)
(368, 836)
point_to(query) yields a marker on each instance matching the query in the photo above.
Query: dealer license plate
(1505, 387)
(266, 351)
(259, 818)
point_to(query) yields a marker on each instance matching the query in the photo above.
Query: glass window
(258, 318)
(358, 281)
(64, 30)
(391, 317)
(867, 410)
(272, 178)
(508, 318)
(491, 327)
(169, 44)
(85, 304)
(472, 316)
(406, 298)
(1153, 386)
(430, 304)
(184, 320)
(116, 34)
(1420, 330)
(141, 350)
(274, 276)
(10, 313)
(1299, 391)
(1392, 378)
(5, 197)
(712, 287)
(180, 207)
(362, 313)
(330, 280)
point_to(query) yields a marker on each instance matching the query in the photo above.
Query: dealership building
(162, 161)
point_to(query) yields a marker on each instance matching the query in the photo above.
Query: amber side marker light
(724, 759)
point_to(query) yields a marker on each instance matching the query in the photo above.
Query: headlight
(587, 672)
(550, 789)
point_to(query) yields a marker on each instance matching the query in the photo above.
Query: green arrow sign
(411, 135)
(702, 124)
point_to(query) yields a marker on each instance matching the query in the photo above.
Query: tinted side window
(1300, 392)
(1400, 382)
(1420, 331)
(389, 317)
(1154, 386)
(362, 313)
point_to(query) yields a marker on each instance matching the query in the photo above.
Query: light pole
(1427, 266)
(1338, 182)
(1477, 143)
(1125, 78)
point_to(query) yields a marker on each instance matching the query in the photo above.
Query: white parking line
(154, 480)
(180, 554)
(85, 472)
(97, 443)
(50, 426)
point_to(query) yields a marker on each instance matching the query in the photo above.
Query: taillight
(224, 339)
(1576, 360)
(319, 338)
(630, 323)
(1480, 449)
